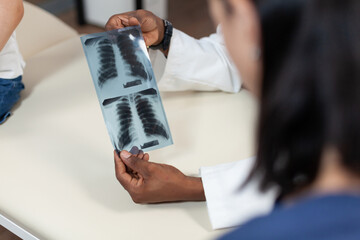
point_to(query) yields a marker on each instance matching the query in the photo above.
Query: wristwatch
(165, 43)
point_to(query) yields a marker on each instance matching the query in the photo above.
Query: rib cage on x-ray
(107, 62)
(127, 132)
(137, 119)
(119, 52)
(144, 106)
(126, 88)
(136, 68)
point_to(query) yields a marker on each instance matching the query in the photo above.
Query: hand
(153, 182)
(151, 25)
(139, 154)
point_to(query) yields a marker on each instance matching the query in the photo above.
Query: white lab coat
(205, 65)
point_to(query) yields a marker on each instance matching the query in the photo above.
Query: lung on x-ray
(126, 88)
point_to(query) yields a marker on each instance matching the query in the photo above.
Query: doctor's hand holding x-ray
(155, 190)
(152, 26)
(187, 68)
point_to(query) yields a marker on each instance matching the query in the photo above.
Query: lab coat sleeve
(228, 204)
(195, 64)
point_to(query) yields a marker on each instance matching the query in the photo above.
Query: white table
(57, 176)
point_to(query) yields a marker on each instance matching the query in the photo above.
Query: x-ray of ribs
(124, 81)
(107, 62)
(144, 107)
(106, 56)
(136, 69)
(127, 131)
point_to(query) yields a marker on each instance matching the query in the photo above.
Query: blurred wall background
(190, 16)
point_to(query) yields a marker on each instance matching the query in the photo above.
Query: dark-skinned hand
(149, 182)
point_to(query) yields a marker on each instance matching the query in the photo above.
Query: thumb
(139, 165)
(133, 21)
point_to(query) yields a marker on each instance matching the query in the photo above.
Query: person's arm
(11, 13)
(228, 204)
(191, 64)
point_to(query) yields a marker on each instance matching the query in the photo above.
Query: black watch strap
(165, 43)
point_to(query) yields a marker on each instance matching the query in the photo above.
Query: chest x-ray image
(118, 61)
(137, 120)
(125, 84)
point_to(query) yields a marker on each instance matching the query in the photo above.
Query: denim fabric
(9, 95)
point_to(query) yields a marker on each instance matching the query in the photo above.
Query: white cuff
(228, 204)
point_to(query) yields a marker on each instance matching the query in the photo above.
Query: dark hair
(311, 89)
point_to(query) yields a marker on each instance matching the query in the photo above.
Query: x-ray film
(126, 88)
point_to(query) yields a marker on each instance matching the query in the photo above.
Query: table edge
(16, 229)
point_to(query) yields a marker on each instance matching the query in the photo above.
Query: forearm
(11, 13)
(193, 190)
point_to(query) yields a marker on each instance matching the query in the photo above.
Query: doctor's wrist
(165, 35)
(193, 189)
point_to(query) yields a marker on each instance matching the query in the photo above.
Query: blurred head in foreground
(302, 58)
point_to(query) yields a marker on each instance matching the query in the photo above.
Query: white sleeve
(228, 204)
(11, 60)
(194, 64)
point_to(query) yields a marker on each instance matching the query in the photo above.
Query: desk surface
(57, 173)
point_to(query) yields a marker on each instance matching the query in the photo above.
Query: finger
(117, 21)
(141, 154)
(134, 150)
(133, 21)
(146, 157)
(140, 180)
(114, 23)
(149, 38)
(119, 165)
(135, 163)
(120, 171)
